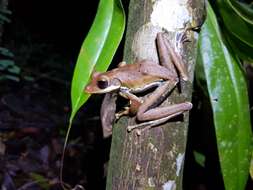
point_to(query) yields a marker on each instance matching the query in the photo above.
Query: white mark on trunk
(147, 31)
(151, 182)
(180, 160)
(170, 14)
(169, 185)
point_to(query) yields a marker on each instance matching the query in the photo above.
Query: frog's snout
(88, 89)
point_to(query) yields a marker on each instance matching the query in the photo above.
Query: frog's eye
(102, 84)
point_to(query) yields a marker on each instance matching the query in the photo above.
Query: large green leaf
(238, 21)
(244, 10)
(251, 167)
(98, 48)
(239, 48)
(96, 53)
(229, 100)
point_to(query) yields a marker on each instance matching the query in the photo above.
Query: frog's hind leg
(176, 59)
(152, 115)
(175, 110)
(148, 110)
(163, 54)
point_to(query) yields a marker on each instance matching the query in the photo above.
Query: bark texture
(154, 160)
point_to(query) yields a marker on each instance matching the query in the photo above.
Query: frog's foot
(184, 37)
(125, 111)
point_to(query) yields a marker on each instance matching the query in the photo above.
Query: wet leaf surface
(228, 95)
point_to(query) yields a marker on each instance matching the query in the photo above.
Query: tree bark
(154, 160)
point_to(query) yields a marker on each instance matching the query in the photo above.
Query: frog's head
(102, 83)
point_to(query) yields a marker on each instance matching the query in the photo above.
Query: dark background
(45, 37)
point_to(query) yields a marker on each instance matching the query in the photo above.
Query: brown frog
(129, 79)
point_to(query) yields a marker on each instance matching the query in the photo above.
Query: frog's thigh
(155, 98)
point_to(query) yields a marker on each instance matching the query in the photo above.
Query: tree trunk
(154, 160)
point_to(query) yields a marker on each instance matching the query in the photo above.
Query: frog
(129, 80)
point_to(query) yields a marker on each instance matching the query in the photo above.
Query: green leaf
(4, 18)
(199, 158)
(243, 10)
(14, 70)
(9, 77)
(251, 167)
(96, 53)
(6, 52)
(241, 49)
(229, 100)
(40, 180)
(235, 24)
(97, 49)
(6, 63)
(239, 27)
(29, 78)
(5, 11)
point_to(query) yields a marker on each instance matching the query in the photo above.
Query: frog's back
(131, 76)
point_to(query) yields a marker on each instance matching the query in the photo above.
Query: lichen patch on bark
(169, 14)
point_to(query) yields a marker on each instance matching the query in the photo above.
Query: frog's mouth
(96, 90)
(108, 89)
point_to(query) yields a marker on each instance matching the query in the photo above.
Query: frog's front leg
(134, 102)
(158, 115)
(108, 109)
(107, 112)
